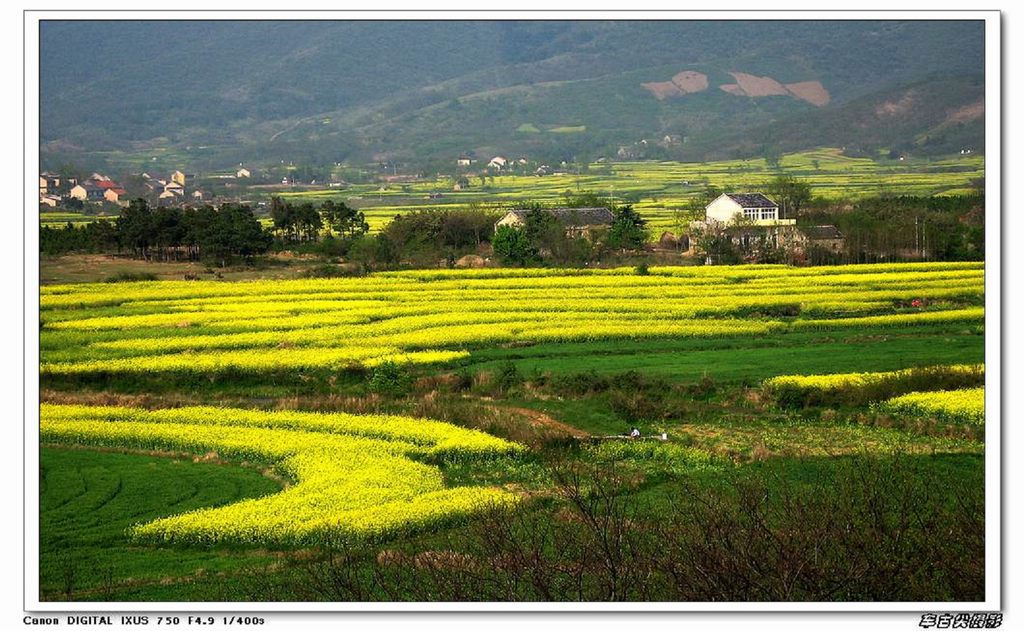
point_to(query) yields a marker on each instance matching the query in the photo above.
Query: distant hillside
(205, 94)
(937, 116)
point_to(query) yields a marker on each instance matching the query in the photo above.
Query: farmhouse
(52, 182)
(577, 221)
(827, 238)
(168, 197)
(498, 162)
(114, 194)
(174, 188)
(745, 207)
(752, 222)
(88, 192)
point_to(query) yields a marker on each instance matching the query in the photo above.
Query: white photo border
(994, 562)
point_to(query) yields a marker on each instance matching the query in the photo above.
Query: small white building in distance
(751, 207)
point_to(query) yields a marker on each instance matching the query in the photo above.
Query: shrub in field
(580, 383)
(509, 377)
(797, 391)
(327, 270)
(513, 246)
(388, 378)
(703, 389)
(130, 277)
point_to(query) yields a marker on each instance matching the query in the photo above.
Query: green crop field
(59, 219)
(395, 417)
(88, 500)
(661, 190)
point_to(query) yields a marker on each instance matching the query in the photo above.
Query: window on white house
(750, 213)
(767, 213)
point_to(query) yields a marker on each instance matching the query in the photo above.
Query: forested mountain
(213, 93)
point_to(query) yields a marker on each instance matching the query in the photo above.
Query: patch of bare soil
(685, 82)
(663, 89)
(471, 260)
(900, 107)
(732, 88)
(759, 86)
(965, 114)
(147, 401)
(690, 81)
(811, 91)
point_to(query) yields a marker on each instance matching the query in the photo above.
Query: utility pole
(916, 237)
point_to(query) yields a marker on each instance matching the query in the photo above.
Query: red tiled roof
(106, 184)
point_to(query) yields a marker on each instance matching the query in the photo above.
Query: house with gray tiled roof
(577, 221)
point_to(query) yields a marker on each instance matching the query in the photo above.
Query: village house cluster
(501, 164)
(750, 221)
(177, 188)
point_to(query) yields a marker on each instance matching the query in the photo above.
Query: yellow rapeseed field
(436, 316)
(354, 476)
(963, 406)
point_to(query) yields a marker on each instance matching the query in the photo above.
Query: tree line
(880, 228)
(169, 233)
(166, 234)
(905, 227)
(543, 237)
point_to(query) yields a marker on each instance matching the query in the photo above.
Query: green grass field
(742, 359)
(89, 498)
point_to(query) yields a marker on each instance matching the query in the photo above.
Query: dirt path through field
(537, 417)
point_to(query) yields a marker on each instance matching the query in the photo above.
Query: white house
(753, 207)
(243, 172)
(498, 162)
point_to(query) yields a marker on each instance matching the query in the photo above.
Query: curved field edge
(89, 497)
(348, 485)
